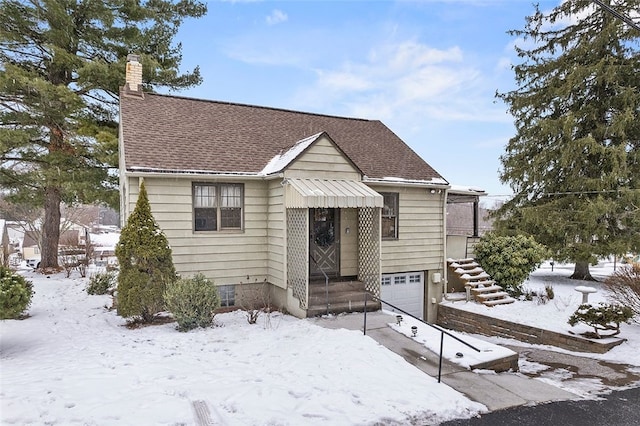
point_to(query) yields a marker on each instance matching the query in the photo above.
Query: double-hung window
(390, 215)
(217, 206)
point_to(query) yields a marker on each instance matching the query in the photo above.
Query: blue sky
(428, 69)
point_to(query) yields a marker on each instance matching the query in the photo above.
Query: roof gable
(176, 134)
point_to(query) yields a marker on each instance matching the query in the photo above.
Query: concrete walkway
(495, 391)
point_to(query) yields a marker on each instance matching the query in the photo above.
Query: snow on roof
(281, 161)
(105, 240)
(432, 181)
(460, 189)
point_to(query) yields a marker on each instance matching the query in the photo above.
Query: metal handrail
(441, 330)
(326, 281)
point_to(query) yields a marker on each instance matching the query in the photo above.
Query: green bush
(603, 317)
(510, 259)
(102, 283)
(192, 301)
(146, 266)
(15, 294)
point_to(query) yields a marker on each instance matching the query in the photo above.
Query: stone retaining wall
(471, 322)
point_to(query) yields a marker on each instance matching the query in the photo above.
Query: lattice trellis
(369, 249)
(298, 254)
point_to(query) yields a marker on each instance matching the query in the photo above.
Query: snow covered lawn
(73, 362)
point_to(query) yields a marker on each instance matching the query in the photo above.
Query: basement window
(227, 295)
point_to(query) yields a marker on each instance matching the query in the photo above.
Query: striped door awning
(326, 193)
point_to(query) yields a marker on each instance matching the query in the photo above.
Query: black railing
(441, 330)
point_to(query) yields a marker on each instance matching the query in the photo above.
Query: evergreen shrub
(192, 301)
(603, 317)
(510, 259)
(102, 283)
(15, 294)
(146, 266)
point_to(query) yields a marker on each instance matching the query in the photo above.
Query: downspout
(444, 244)
(475, 217)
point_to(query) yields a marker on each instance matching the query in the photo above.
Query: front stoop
(483, 289)
(343, 296)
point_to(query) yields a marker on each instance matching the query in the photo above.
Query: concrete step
(492, 296)
(495, 302)
(338, 308)
(482, 283)
(488, 289)
(471, 270)
(482, 276)
(336, 297)
(320, 288)
(465, 260)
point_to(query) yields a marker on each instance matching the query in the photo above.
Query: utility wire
(617, 14)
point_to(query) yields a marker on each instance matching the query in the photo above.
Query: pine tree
(61, 65)
(574, 163)
(146, 266)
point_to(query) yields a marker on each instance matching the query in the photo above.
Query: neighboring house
(4, 244)
(31, 245)
(249, 195)
(70, 239)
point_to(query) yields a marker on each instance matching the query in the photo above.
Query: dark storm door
(324, 247)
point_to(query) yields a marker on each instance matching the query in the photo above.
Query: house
(311, 206)
(73, 239)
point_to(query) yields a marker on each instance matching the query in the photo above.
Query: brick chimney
(133, 76)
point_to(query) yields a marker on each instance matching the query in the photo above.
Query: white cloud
(277, 17)
(408, 82)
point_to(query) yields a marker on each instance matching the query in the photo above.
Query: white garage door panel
(405, 290)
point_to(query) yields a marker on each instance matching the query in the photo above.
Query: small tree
(624, 287)
(602, 317)
(15, 294)
(146, 266)
(510, 259)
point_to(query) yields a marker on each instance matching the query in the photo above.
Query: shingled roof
(177, 134)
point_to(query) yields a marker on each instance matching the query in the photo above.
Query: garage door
(406, 291)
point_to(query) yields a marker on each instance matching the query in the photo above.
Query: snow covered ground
(73, 362)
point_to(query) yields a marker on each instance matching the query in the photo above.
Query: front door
(324, 247)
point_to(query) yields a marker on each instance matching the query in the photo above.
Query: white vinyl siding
(322, 160)
(225, 256)
(275, 234)
(348, 242)
(420, 242)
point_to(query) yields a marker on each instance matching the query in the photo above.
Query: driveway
(619, 408)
